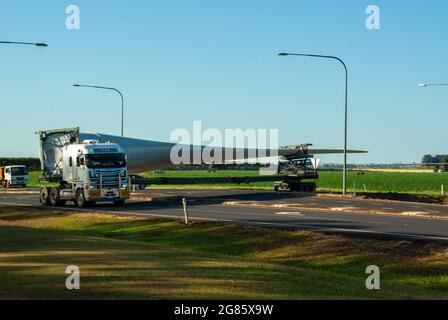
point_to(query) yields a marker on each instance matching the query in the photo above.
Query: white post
(184, 202)
(443, 190)
(354, 189)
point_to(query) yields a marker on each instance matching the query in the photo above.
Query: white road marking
(290, 213)
(330, 219)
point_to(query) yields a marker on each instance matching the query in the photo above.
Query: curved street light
(108, 88)
(37, 44)
(346, 105)
(424, 85)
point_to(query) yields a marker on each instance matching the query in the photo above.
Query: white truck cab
(14, 176)
(87, 172)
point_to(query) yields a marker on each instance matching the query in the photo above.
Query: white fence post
(184, 202)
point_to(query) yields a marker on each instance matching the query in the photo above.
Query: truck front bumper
(108, 195)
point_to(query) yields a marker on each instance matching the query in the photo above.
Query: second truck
(86, 171)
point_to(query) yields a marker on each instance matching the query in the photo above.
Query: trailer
(282, 183)
(298, 175)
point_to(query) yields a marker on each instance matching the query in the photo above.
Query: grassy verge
(127, 257)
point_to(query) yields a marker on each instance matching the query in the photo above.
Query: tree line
(438, 162)
(30, 163)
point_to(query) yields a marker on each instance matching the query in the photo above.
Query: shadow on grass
(33, 262)
(164, 259)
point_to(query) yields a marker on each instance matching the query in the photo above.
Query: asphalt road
(207, 205)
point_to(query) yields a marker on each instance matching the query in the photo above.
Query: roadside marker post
(354, 189)
(184, 202)
(315, 162)
(443, 191)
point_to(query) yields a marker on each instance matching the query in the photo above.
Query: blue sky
(215, 61)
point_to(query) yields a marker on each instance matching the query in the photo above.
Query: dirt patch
(351, 209)
(405, 197)
(422, 198)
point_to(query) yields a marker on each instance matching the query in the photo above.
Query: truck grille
(110, 179)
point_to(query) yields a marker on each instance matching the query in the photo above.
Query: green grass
(400, 182)
(126, 257)
(33, 180)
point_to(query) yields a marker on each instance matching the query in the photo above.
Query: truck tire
(80, 199)
(142, 186)
(119, 203)
(54, 197)
(43, 197)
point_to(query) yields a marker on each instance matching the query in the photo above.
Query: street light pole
(345, 109)
(37, 44)
(425, 85)
(108, 88)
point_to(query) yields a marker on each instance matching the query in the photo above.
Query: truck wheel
(54, 198)
(80, 200)
(119, 203)
(142, 186)
(43, 197)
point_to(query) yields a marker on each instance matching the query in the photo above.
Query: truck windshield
(19, 171)
(116, 160)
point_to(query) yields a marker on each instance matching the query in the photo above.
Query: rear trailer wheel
(44, 197)
(142, 186)
(80, 200)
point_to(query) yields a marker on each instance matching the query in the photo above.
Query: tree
(427, 159)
